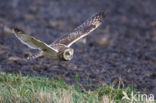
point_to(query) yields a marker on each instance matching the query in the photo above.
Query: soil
(121, 51)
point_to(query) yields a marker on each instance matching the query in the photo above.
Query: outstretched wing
(32, 42)
(82, 30)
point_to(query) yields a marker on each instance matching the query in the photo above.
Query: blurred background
(121, 51)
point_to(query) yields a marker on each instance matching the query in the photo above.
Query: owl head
(66, 54)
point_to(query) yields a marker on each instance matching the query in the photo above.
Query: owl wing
(83, 30)
(33, 42)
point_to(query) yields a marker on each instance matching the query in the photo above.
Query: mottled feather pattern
(82, 30)
(58, 46)
(95, 20)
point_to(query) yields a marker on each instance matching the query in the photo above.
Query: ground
(122, 50)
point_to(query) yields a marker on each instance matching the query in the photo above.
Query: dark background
(122, 50)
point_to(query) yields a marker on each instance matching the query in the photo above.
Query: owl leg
(38, 55)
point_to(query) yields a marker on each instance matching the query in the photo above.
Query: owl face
(65, 54)
(68, 54)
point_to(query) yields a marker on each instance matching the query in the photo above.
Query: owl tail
(38, 55)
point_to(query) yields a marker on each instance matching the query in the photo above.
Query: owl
(61, 49)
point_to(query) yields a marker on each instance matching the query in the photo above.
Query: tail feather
(38, 55)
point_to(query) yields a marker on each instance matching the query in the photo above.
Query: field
(119, 55)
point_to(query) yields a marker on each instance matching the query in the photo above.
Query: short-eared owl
(60, 49)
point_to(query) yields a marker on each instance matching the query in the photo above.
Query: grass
(18, 89)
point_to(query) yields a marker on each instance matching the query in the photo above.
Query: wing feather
(33, 42)
(82, 30)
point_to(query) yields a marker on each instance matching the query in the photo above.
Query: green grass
(18, 89)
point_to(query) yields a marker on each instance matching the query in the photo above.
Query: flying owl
(61, 48)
